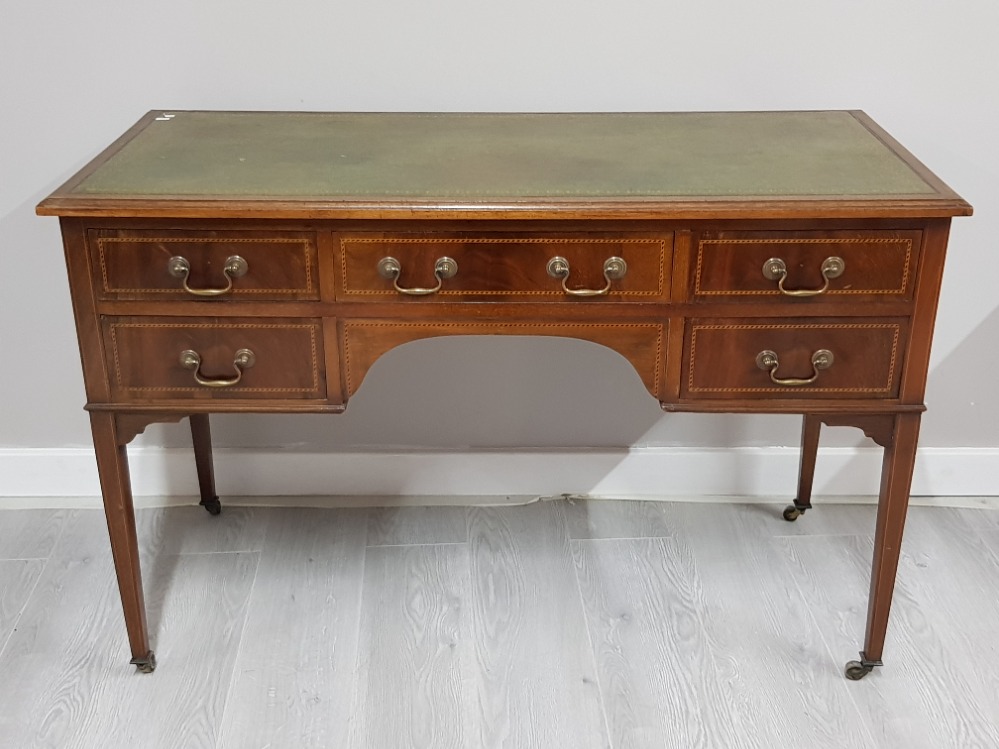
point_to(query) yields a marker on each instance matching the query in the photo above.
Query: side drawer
(798, 266)
(169, 358)
(504, 266)
(794, 358)
(249, 265)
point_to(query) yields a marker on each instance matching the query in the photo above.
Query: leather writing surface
(482, 156)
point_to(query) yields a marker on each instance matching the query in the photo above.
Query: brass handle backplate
(391, 269)
(821, 359)
(235, 267)
(775, 269)
(244, 359)
(615, 269)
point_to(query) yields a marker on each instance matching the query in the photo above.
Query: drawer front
(149, 358)
(508, 267)
(150, 264)
(844, 266)
(728, 358)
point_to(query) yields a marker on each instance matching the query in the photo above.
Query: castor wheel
(791, 513)
(146, 664)
(213, 505)
(855, 670)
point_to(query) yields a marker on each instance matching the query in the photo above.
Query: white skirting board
(47, 477)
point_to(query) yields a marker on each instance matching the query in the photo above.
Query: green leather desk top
(476, 158)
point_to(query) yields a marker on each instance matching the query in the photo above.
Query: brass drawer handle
(244, 359)
(775, 269)
(614, 269)
(235, 267)
(390, 268)
(821, 359)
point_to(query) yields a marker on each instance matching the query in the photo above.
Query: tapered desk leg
(112, 465)
(896, 481)
(201, 435)
(810, 428)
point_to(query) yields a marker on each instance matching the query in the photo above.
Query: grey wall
(73, 76)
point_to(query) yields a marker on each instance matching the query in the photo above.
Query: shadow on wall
(474, 392)
(41, 381)
(969, 377)
(495, 392)
(463, 394)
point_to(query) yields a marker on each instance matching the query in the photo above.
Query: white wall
(74, 75)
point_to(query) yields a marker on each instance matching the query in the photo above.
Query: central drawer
(531, 268)
(153, 358)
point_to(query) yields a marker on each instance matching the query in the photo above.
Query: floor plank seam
(210, 553)
(622, 538)
(24, 606)
(239, 647)
(355, 691)
(403, 546)
(711, 644)
(842, 683)
(981, 533)
(801, 536)
(589, 641)
(41, 574)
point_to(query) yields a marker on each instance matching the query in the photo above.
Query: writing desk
(743, 262)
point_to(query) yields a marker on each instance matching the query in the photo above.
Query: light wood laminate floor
(557, 624)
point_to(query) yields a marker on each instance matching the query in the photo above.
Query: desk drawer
(736, 358)
(834, 266)
(247, 265)
(166, 358)
(504, 267)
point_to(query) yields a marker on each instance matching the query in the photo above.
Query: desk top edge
(937, 200)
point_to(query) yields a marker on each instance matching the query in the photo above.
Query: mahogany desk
(747, 262)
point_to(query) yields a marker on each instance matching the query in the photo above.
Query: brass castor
(213, 505)
(855, 670)
(146, 664)
(791, 513)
